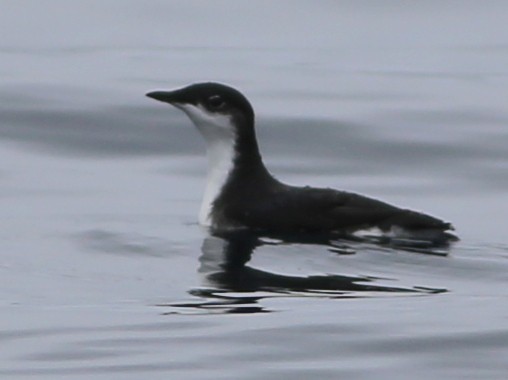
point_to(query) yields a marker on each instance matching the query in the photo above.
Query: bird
(240, 192)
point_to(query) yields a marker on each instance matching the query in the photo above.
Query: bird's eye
(215, 102)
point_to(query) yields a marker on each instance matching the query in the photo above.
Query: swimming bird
(240, 192)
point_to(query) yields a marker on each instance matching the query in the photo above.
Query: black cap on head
(214, 97)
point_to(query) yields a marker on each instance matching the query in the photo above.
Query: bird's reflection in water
(231, 286)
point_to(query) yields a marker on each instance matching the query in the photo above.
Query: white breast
(220, 163)
(219, 134)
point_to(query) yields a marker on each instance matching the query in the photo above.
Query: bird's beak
(170, 97)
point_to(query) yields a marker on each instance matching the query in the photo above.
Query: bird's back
(288, 209)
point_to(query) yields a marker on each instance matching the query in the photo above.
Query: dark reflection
(232, 286)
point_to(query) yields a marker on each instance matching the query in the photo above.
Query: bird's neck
(221, 155)
(232, 165)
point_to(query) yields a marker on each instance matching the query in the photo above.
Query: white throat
(219, 134)
(220, 163)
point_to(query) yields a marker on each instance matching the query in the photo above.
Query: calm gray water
(104, 272)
